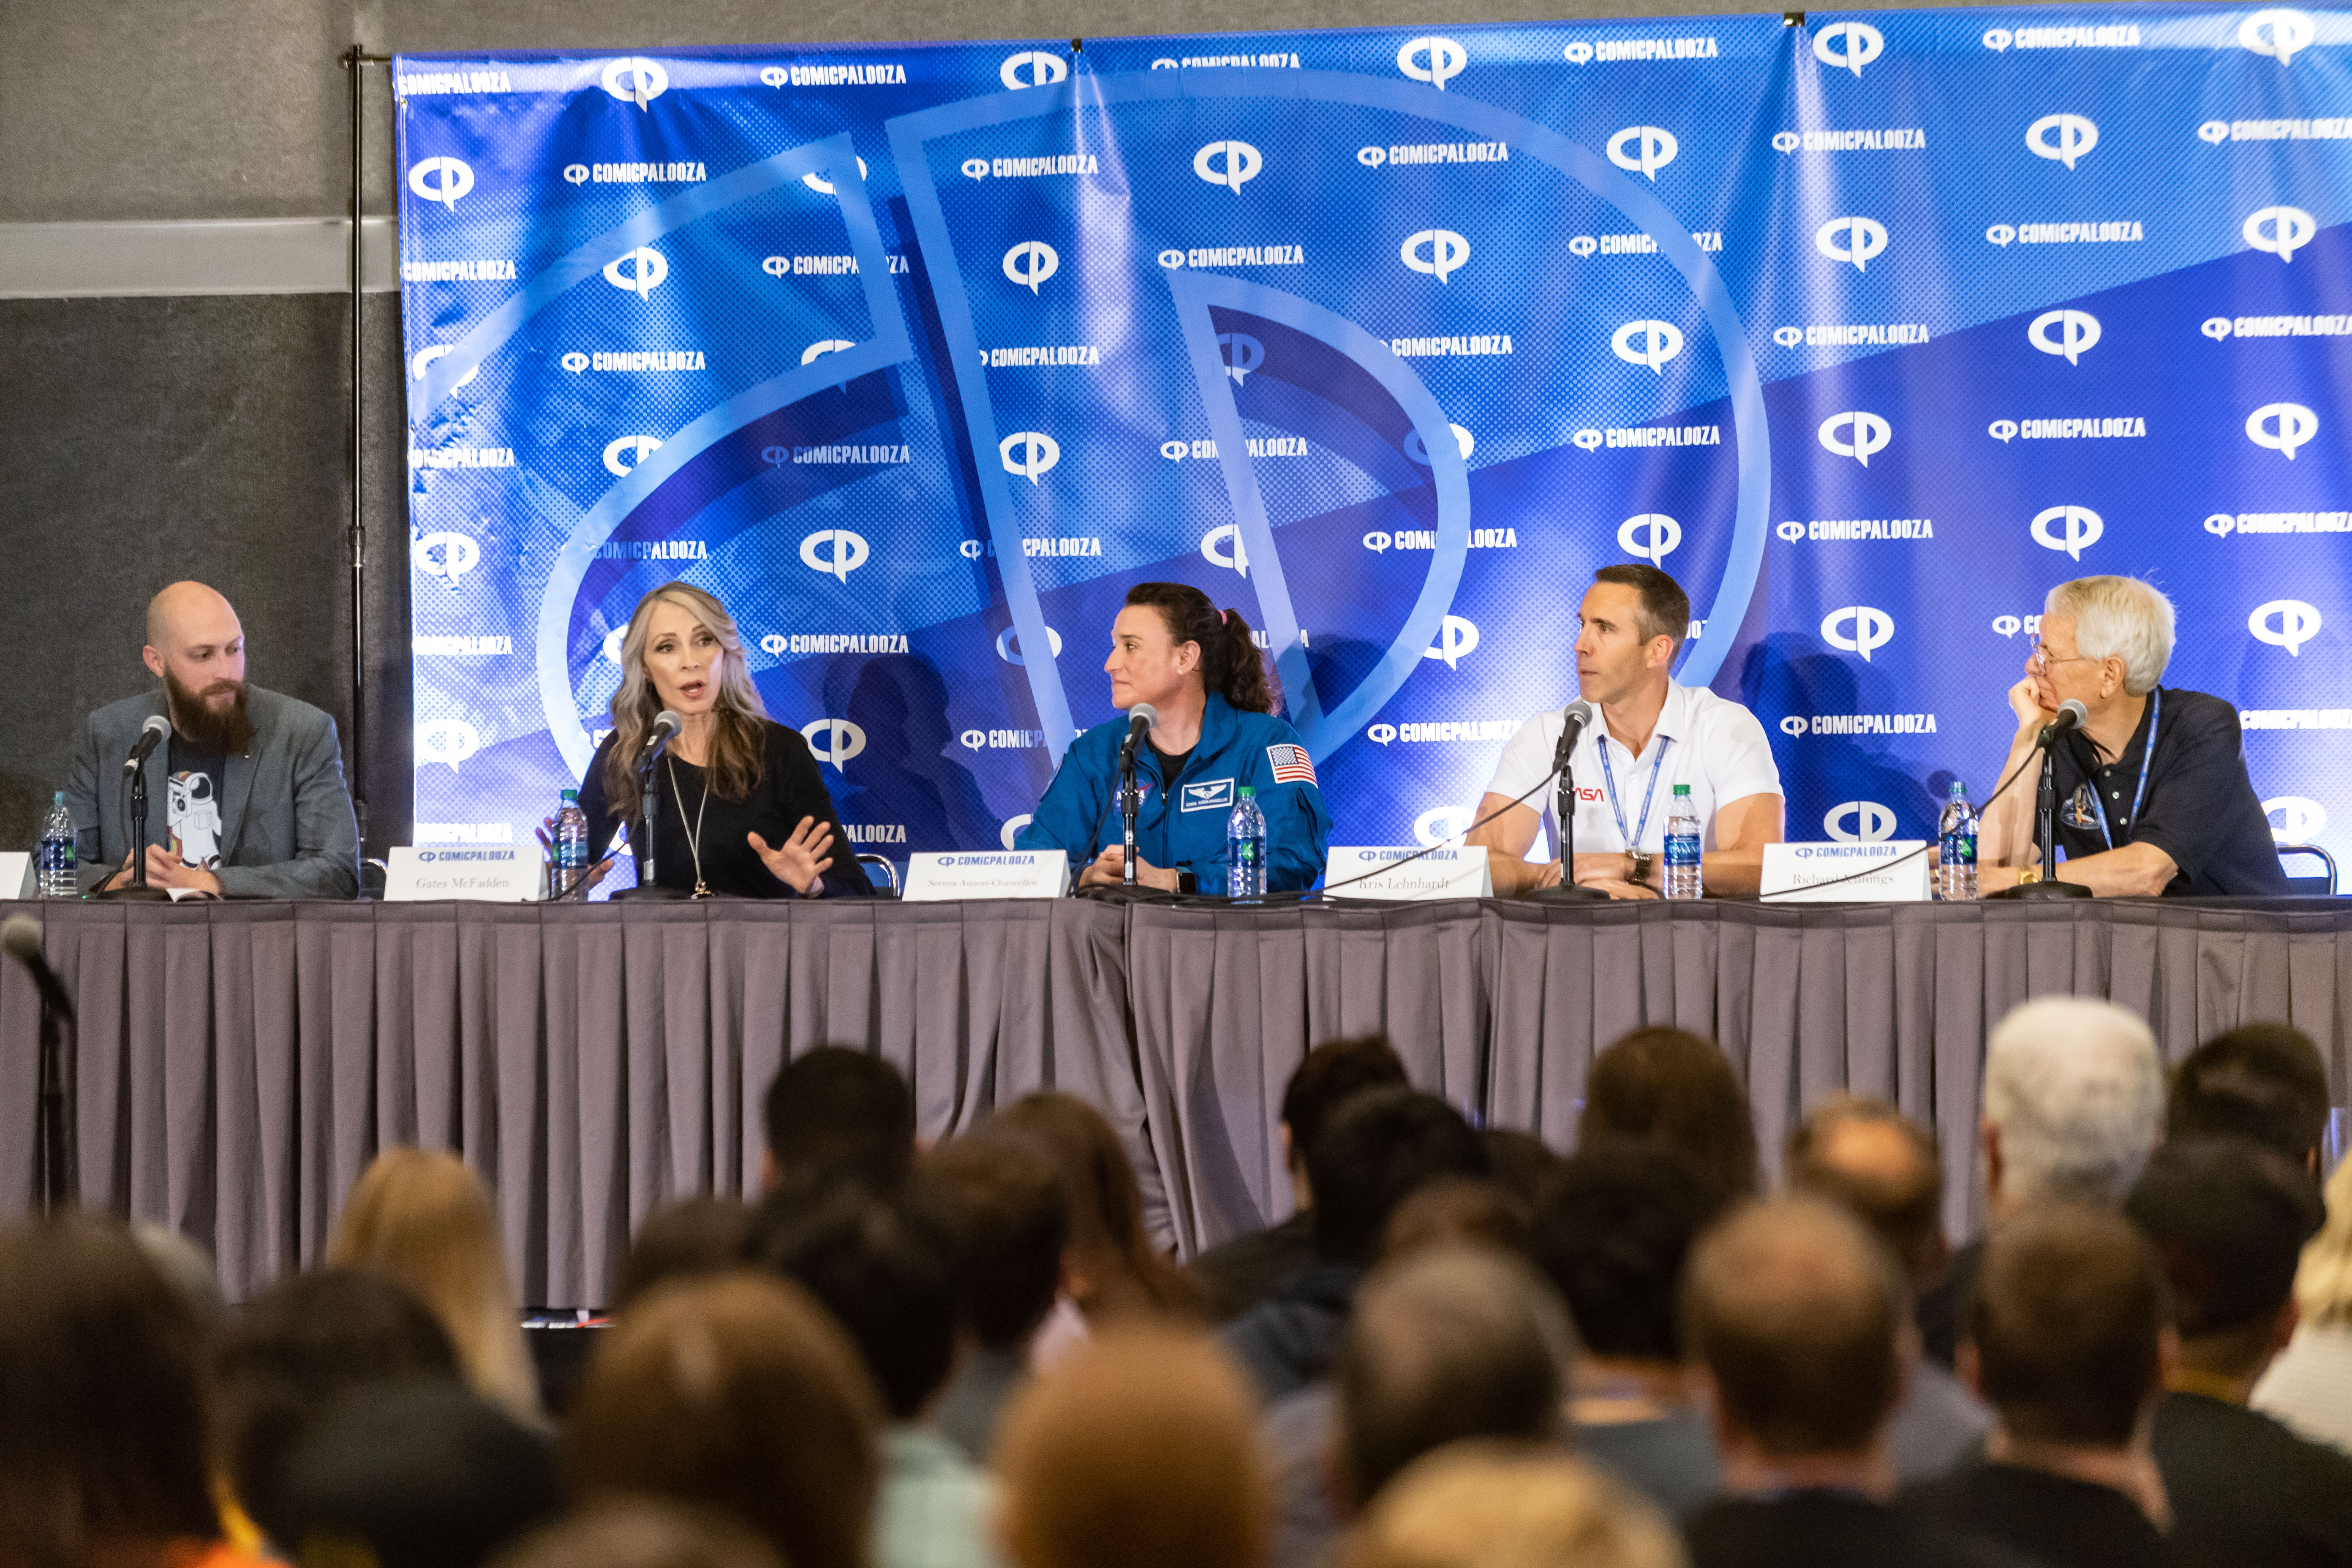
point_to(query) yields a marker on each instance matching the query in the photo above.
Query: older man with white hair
(2153, 793)
(2073, 1105)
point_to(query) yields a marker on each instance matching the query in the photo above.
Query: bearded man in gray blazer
(245, 794)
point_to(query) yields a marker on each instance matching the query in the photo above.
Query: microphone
(1575, 717)
(21, 935)
(151, 734)
(2071, 715)
(665, 724)
(1139, 720)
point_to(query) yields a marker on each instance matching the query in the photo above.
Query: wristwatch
(1641, 872)
(1186, 882)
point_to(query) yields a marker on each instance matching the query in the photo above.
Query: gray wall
(148, 438)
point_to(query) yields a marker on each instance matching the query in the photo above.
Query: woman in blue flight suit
(1217, 734)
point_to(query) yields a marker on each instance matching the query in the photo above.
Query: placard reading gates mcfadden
(481, 875)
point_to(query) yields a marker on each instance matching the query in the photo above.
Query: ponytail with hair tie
(1231, 665)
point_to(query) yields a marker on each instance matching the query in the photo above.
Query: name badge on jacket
(1216, 794)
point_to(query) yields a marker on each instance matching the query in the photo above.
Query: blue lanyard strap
(2146, 755)
(1609, 777)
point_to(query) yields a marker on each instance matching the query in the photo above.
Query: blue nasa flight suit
(1181, 824)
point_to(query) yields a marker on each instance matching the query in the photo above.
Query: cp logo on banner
(1871, 629)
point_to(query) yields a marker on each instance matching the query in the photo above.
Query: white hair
(2077, 1088)
(2118, 618)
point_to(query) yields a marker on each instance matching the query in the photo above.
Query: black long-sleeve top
(788, 789)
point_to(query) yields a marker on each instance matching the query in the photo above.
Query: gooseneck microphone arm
(1573, 720)
(1139, 721)
(2072, 716)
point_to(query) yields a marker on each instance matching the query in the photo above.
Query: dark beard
(227, 732)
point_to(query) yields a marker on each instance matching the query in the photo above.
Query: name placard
(483, 874)
(1794, 873)
(1431, 874)
(17, 874)
(989, 874)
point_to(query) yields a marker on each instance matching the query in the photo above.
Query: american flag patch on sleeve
(1292, 765)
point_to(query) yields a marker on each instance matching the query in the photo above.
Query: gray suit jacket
(287, 829)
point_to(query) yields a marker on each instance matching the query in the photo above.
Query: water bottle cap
(573, 795)
(1957, 789)
(1248, 793)
(58, 798)
(1682, 789)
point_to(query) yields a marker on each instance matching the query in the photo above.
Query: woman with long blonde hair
(741, 808)
(423, 1219)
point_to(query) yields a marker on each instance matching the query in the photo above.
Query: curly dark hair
(1231, 665)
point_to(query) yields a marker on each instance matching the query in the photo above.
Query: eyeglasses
(2040, 663)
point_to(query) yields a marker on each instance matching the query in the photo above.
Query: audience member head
(2263, 1081)
(1109, 1266)
(421, 1217)
(2064, 1335)
(2323, 1282)
(1332, 1074)
(103, 1398)
(883, 1265)
(1006, 1200)
(740, 1394)
(1675, 1088)
(1451, 1344)
(1500, 1505)
(839, 1112)
(2072, 1091)
(1797, 1318)
(2228, 1219)
(1614, 1239)
(295, 1352)
(1383, 1146)
(417, 1475)
(690, 1239)
(642, 1534)
(1885, 1169)
(1526, 1167)
(1456, 1211)
(1140, 1449)
(186, 1267)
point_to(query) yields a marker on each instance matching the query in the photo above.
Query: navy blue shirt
(2200, 808)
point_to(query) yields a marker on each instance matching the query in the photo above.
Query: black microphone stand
(1130, 806)
(648, 890)
(2049, 890)
(58, 1186)
(136, 891)
(1569, 890)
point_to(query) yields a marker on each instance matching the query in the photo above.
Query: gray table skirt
(239, 1064)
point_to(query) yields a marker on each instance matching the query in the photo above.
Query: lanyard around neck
(1609, 777)
(2146, 755)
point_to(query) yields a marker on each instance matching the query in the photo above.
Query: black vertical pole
(352, 62)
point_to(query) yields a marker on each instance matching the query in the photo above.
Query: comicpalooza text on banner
(1868, 330)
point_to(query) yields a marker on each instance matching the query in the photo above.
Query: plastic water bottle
(1245, 849)
(1956, 855)
(55, 877)
(1682, 846)
(571, 846)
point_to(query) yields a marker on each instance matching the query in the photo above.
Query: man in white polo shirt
(1650, 735)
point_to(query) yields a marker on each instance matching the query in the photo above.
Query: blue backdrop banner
(1869, 330)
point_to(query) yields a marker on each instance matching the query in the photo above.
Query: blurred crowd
(1461, 1349)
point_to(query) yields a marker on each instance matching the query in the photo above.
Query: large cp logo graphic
(2301, 818)
(1849, 46)
(1866, 433)
(1658, 342)
(2296, 624)
(1652, 535)
(834, 741)
(1643, 149)
(1031, 262)
(442, 180)
(1456, 637)
(1225, 538)
(623, 452)
(2061, 137)
(638, 271)
(1442, 825)
(635, 79)
(1871, 629)
(426, 358)
(1873, 823)
(2278, 32)
(2070, 333)
(1854, 239)
(1043, 69)
(2281, 426)
(1229, 163)
(458, 555)
(836, 552)
(1243, 353)
(448, 742)
(1029, 453)
(2067, 528)
(1447, 251)
(1007, 638)
(1434, 60)
(2281, 231)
